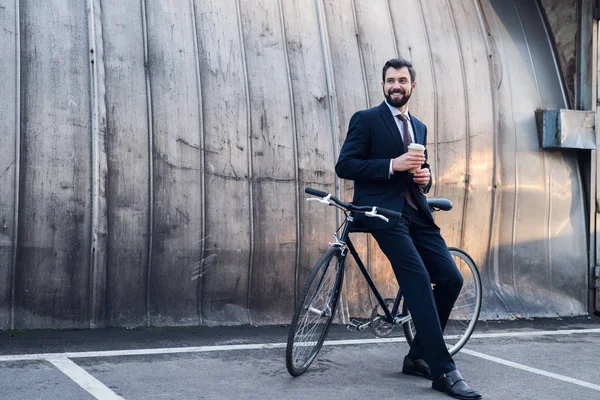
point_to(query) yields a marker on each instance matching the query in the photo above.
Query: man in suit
(375, 156)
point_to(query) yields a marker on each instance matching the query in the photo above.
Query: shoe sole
(463, 397)
(458, 397)
(415, 373)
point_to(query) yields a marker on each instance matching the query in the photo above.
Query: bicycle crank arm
(357, 326)
(402, 320)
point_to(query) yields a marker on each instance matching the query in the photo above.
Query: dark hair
(398, 63)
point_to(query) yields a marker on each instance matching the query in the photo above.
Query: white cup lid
(416, 146)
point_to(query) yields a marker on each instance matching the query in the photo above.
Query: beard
(398, 102)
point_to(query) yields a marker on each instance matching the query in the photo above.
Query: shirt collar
(396, 112)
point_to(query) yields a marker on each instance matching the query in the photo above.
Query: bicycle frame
(345, 242)
(387, 312)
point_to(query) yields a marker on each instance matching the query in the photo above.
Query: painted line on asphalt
(81, 377)
(263, 346)
(531, 369)
(535, 333)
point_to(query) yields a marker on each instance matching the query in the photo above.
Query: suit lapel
(388, 119)
(419, 134)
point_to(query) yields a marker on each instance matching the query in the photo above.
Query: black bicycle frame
(345, 239)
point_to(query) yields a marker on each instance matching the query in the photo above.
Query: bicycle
(318, 300)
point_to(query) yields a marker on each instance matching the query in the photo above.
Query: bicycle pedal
(358, 326)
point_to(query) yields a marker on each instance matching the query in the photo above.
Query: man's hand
(422, 176)
(408, 161)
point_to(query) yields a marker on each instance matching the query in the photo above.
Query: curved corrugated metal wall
(153, 154)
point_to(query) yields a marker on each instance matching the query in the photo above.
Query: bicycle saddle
(439, 203)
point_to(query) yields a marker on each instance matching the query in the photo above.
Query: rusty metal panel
(530, 258)
(481, 130)
(127, 134)
(185, 163)
(314, 137)
(228, 171)
(99, 169)
(52, 274)
(341, 22)
(274, 159)
(176, 163)
(9, 153)
(451, 141)
(377, 42)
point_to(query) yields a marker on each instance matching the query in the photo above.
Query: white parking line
(80, 376)
(261, 346)
(531, 369)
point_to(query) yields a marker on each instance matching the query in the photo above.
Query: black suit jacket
(373, 140)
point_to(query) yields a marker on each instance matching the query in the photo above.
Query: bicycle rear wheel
(465, 313)
(314, 312)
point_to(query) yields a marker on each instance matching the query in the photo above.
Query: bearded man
(375, 156)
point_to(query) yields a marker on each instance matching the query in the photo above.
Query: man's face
(397, 86)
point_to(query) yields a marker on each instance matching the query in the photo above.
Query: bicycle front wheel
(314, 312)
(465, 312)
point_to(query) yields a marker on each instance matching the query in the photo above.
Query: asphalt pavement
(525, 359)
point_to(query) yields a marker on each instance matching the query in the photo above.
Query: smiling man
(375, 155)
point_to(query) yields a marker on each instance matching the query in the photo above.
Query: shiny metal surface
(578, 129)
(567, 129)
(153, 154)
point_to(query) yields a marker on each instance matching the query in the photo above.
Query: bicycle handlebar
(315, 192)
(376, 212)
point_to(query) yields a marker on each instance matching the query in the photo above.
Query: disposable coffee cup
(415, 148)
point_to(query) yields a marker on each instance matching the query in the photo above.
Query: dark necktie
(410, 198)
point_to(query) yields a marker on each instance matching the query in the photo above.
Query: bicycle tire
(467, 307)
(318, 298)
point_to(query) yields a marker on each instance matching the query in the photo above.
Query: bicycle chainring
(379, 327)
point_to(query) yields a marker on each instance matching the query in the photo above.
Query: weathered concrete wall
(153, 154)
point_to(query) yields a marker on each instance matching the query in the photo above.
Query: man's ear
(414, 84)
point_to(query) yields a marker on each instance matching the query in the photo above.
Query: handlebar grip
(388, 213)
(315, 192)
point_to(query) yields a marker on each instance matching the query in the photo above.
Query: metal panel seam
(593, 294)
(202, 235)
(467, 127)
(150, 160)
(389, 13)
(368, 99)
(435, 101)
(295, 144)
(94, 175)
(547, 192)
(17, 164)
(537, 83)
(324, 35)
(516, 186)
(485, 31)
(361, 56)
(250, 164)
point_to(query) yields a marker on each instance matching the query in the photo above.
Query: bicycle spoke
(465, 311)
(463, 306)
(314, 314)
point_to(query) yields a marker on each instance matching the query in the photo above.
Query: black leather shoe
(416, 368)
(455, 386)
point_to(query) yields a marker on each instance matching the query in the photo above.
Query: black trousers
(419, 257)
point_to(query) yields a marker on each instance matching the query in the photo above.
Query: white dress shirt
(396, 112)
